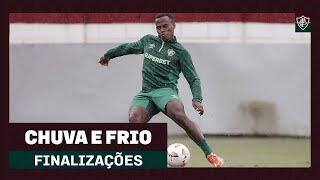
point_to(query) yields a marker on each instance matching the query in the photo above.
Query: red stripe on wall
(148, 17)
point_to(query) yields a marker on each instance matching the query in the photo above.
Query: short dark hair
(159, 15)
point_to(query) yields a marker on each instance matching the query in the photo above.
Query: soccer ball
(178, 155)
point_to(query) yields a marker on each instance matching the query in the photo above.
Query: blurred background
(254, 68)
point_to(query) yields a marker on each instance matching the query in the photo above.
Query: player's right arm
(123, 49)
(104, 61)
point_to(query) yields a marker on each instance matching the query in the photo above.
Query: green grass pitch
(251, 151)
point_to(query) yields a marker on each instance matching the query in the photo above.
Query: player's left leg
(169, 102)
(175, 110)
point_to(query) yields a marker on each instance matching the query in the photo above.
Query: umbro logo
(151, 46)
(174, 96)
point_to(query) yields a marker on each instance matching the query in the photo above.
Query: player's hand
(198, 107)
(104, 61)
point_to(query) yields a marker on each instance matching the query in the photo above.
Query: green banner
(87, 159)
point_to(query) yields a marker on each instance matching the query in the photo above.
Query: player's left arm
(193, 79)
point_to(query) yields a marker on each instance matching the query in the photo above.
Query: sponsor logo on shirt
(156, 59)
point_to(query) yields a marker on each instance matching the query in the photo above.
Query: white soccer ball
(178, 155)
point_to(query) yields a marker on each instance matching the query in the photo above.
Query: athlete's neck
(172, 39)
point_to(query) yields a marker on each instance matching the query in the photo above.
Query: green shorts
(156, 100)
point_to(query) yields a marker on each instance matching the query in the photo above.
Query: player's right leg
(138, 114)
(142, 109)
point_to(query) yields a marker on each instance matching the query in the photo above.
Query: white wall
(247, 88)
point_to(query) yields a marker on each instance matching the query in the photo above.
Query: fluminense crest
(171, 52)
(303, 24)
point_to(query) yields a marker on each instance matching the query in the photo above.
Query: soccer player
(164, 60)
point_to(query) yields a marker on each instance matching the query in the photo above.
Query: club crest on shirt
(171, 52)
(151, 46)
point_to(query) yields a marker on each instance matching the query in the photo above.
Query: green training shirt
(163, 62)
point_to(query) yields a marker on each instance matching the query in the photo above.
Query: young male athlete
(164, 60)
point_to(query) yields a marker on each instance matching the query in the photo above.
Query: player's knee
(175, 109)
(135, 117)
(176, 112)
(179, 116)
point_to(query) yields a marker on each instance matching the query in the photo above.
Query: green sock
(205, 146)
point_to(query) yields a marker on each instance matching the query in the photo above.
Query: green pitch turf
(251, 151)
